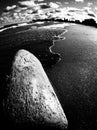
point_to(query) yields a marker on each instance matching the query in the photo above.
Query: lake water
(74, 77)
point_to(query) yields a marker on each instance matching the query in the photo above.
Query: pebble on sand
(31, 96)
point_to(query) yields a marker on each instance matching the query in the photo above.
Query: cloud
(79, 0)
(44, 5)
(59, 3)
(95, 8)
(53, 5)
(33, 4)
(66, 3)
(89, 11)
(89, 4)
(8, 8)
(27, 3)
(40, 0)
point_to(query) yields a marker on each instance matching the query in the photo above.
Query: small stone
(31, 96)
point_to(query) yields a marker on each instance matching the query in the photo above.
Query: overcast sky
(85, 7)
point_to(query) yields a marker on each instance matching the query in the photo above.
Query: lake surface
(74, 76)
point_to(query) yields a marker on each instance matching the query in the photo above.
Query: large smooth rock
(31, 96)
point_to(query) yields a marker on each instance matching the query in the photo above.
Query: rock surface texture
(31, 95)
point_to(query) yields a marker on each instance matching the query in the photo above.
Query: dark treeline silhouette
(87, 22)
